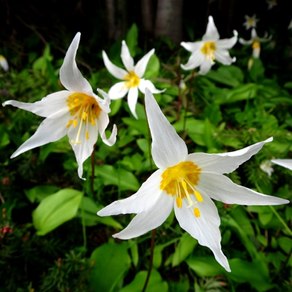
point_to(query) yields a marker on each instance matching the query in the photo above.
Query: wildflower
(186, 182)
(271, 3)
(209, 49)
(266, 166)
(250, 21)
(132, 77)
(283, 162)
(4, 63)
(77, 112)
(255, 41)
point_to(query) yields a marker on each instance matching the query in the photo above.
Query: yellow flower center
(250, 21)
(132, 80)
(208, 49)
(180, 181)
(256, 45)
(84, 109)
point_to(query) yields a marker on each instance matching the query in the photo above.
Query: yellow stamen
(198, 196)
(132, 80)
(208, 49)
(179, 202)
(75, 122)
(69, 123)
(197, 212)
(256, 45)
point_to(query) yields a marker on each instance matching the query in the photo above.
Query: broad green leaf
(153, 67)
(56, 209)
(155, 284)
(38, 193)
(120, 177)
(111, 263)
(257, 70)
(286, 244)
(139, 125)
(132, 39)
(115, 106)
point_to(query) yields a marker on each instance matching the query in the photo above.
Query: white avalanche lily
(132, 77)
(77, 112)
(209, 49)
(186, 183)
(250, 21)
(255, 42)
(4, 63)
(283, 162)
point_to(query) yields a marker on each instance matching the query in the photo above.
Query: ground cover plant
(218, 101)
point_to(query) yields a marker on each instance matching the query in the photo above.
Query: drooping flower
(4, 63)
(209, 49)
(132, 77)
(266, 166)
(250, 21)
(77, 112)
(255, 41)
(283, 162)
(186, 183)
(271, 3)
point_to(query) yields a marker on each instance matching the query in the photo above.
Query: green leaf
(155, 284)
(38, 193)
(257, 70)
(185, 247)
(132, 39)
(56, 209)
(111, 262)
(153, 67)
(286, 244)
(120, 177)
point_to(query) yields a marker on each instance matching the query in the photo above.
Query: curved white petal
(225, 162)
(4, 63)
(204, 228)
(148, 84)
(118, 90)
(142, 64)
(132, 100)
(227, 43)
(205, 66)
(195, 60)
(223, 57)
(192, 46)
(104, 102)
(148, 220)
(254, 34)
(103, 122)
(117, 72)
(49, 105)
(168, 148)
(211, 33)
(245, 42)
(126, 57)
(283, 162)
(50, 130)
(141, 201)
(221, 188)
(70, 76)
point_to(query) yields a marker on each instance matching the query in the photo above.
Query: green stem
(83, 228)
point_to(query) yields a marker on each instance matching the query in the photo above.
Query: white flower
(283, 162)
(266, 166)
(210, 48)
(255, 42)
(271, 3)
(4, 63)
(132, 77)
(186, 183)
(77, 112)
(250, 21)
(290, 24)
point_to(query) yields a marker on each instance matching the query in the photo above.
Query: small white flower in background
(76, 112)
(283, 162)
(186, 183)
(250, 21)
(132, 77)
(271, 3)
(4, 63)
(209, 49)
(255, 41)
(266, 166)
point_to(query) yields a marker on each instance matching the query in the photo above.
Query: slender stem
(188, 97)
(92, 169)
(150, 260)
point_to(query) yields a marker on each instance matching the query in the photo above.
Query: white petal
(221, 188)
(50, 130)
(223, 57)
(148, 220)
(70, 76)
(142, 64)
(141, 201)
(126, 57)
(103, 122)
(283, 162)
(195, 60)
(225, 162)
(204, 228)
(132, 100)
(117, 72)
(147, 83)
(105, 102)
(254, 34)
(245, 42)
(49, 105)
(118, 90)
(211, 33)
(205, 66)
(192, 47)
(4, 63)
(168, 148)
(227, 43)
(256, 52)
